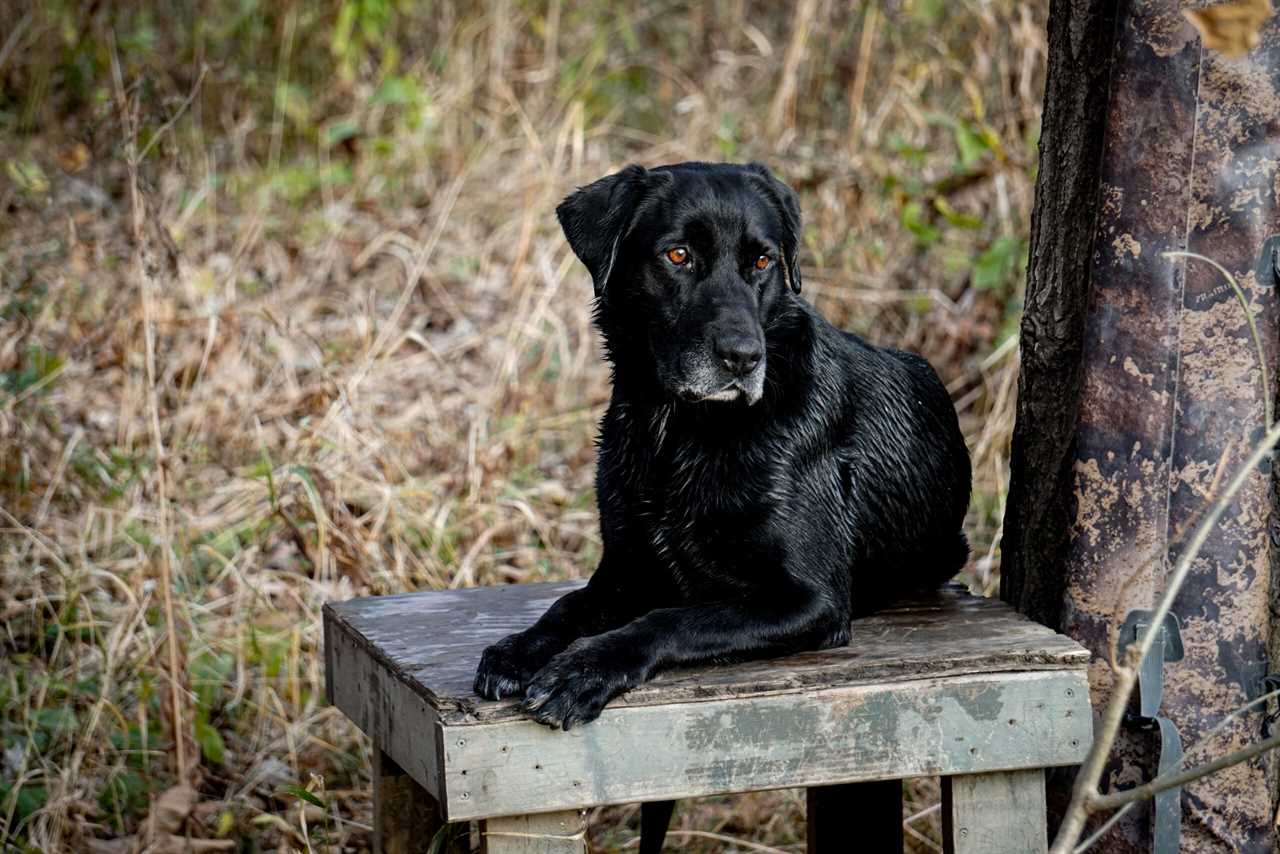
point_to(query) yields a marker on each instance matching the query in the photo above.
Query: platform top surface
(432, 640)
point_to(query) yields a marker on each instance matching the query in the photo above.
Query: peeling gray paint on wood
(983, 813)
(951, 684)
(847, 734)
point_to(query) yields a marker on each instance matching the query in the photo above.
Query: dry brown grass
(386, 379)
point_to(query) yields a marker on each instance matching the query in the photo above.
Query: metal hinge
(1267, 271)
(1167, 822)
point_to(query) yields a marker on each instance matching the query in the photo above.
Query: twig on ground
(733, 840)
(182, 108)
(15, 36)
(784, 98)
(929, 810)
(869, 20)
(921, 838)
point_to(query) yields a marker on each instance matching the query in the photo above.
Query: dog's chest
(703, 509)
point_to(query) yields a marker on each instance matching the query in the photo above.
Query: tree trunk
(1041, 503)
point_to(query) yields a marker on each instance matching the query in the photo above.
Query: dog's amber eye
(678, 255)
(762, 263)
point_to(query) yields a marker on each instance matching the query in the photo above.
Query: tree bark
(1041, 505)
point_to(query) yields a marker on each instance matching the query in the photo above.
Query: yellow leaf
(1231, 28)
(73, 158)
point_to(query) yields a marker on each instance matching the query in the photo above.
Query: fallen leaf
(74, 157)
(170, 810)
(226, 823)
(1231, 28)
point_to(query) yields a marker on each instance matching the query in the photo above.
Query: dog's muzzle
(707, 378)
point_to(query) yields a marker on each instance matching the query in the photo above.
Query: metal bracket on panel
(1268, 684)
(1267, 270)
(1167, 825)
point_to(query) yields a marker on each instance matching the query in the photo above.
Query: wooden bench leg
(869, 814)
(544, 833)
(1000, 813)
(405, 816)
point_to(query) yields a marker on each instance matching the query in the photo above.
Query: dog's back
(909, 456)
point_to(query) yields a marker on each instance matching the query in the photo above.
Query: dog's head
(690, 264)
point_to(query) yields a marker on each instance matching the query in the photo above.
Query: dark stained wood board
(431, 642)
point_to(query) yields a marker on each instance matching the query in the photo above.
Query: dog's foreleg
(506, 666)
(577, 683)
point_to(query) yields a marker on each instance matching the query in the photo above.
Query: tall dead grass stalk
(146, 268)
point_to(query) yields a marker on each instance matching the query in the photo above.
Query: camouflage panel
(1172, 402)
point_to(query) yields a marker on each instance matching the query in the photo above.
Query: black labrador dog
(762, 476)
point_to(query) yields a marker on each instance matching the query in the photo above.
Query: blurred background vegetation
(342, 348)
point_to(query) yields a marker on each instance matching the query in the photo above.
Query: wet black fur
(732, 529)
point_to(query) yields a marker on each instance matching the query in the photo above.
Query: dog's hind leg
(655, 817)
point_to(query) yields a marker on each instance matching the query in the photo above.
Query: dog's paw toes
(501, 673)
(563, 709)
(573, 689)
(493, 686)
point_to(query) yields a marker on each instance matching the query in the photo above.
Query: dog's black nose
(740, 353)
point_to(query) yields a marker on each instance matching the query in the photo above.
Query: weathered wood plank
(871, 813)
(948, 685)
(954, 725)
(398, 719)
(552, 833)
(405, 817)
(432, 641)
(1001, 813)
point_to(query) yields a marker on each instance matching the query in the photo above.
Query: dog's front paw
(576, 684)
(506, 667)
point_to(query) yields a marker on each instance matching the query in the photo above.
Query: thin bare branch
(1102, 830)
(1220, 725)
(1180, 778)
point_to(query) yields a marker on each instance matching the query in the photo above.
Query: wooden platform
(950, 685)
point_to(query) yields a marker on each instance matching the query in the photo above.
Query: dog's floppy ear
(788, 206)
(596, 217)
